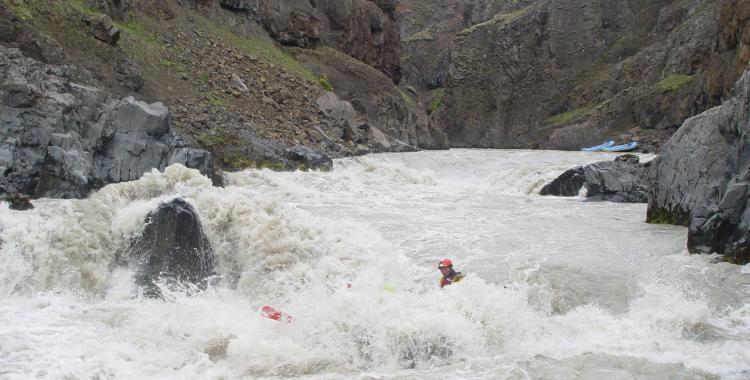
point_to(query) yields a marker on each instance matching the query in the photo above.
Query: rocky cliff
(702, 178)
(565, 73)
(257, 84)
(62, 139)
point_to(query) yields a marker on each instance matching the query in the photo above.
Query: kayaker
(450, 276)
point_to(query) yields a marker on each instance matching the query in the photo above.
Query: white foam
(552, 283)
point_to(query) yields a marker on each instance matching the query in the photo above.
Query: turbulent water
(556, 288)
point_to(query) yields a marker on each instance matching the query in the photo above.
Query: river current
(556, 288)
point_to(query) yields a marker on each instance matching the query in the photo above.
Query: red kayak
(276, 315)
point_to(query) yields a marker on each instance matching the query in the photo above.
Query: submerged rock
(18, 202)
(172, 248)
(624, 180)
(307, 158)
(568, 184)
(702, 176)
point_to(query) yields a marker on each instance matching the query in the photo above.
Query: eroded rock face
(702, 176)
(172, 248)
(62, 139)
(562, 74)
(363, 29)
(371, 111)
(622, 180)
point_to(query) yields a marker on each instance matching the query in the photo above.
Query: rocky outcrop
(702, 177)
(370, 112)
(363, 29)
(624, 180)
(104, 30)
(567, 184)
(563, 74)
(62, 139)
(172, 248)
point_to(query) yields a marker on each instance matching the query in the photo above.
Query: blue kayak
(621, 148)
(599, 147)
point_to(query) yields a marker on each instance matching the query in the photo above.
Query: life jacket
(451, 278)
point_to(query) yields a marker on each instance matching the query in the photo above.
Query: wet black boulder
(172, 248)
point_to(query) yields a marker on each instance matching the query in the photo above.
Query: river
(556, 288)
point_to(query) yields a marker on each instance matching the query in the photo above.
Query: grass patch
(139, 32)
(408, 99)
(264, 50)
(570, 116)
(674, 82)
(325, 83)
(424, 35)
(238, 161)
(436, 102)
(661, 215)
(218, 140)
(19, 9)
(499, 21)
(215, 100)
(167, 63)
(141, 44)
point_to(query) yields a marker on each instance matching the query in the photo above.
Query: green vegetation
(662, 215)
(19, 8)
(142, 44)
(570, 116)
(406, 97)
(627, 45)
(499, 20)
(167, 63)
(139, 32)
(218, 140)
(424, 35)
(264, 50)
(63, 7)
(598, 73)
(238, 161)
(674, 82)
(323, 80)
(436, 102)
(216, 99)
(218, 144)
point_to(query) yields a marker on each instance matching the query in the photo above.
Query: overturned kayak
(621, 148)
(599, 147)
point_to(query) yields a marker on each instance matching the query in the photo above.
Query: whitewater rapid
(556, 288)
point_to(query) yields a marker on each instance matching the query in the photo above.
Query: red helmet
(445, 263)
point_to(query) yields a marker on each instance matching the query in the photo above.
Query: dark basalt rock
(624, 180)
(702, 177)
(307, 158)
(567, 184)
(172, 247)
(620, 181)
(62, 139)
(18, 202)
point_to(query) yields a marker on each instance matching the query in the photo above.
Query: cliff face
(363, 29)
(562, 74)
(257, 83)
(62, 139)
(702, 178)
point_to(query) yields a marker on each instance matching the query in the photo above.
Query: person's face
(445, 270)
